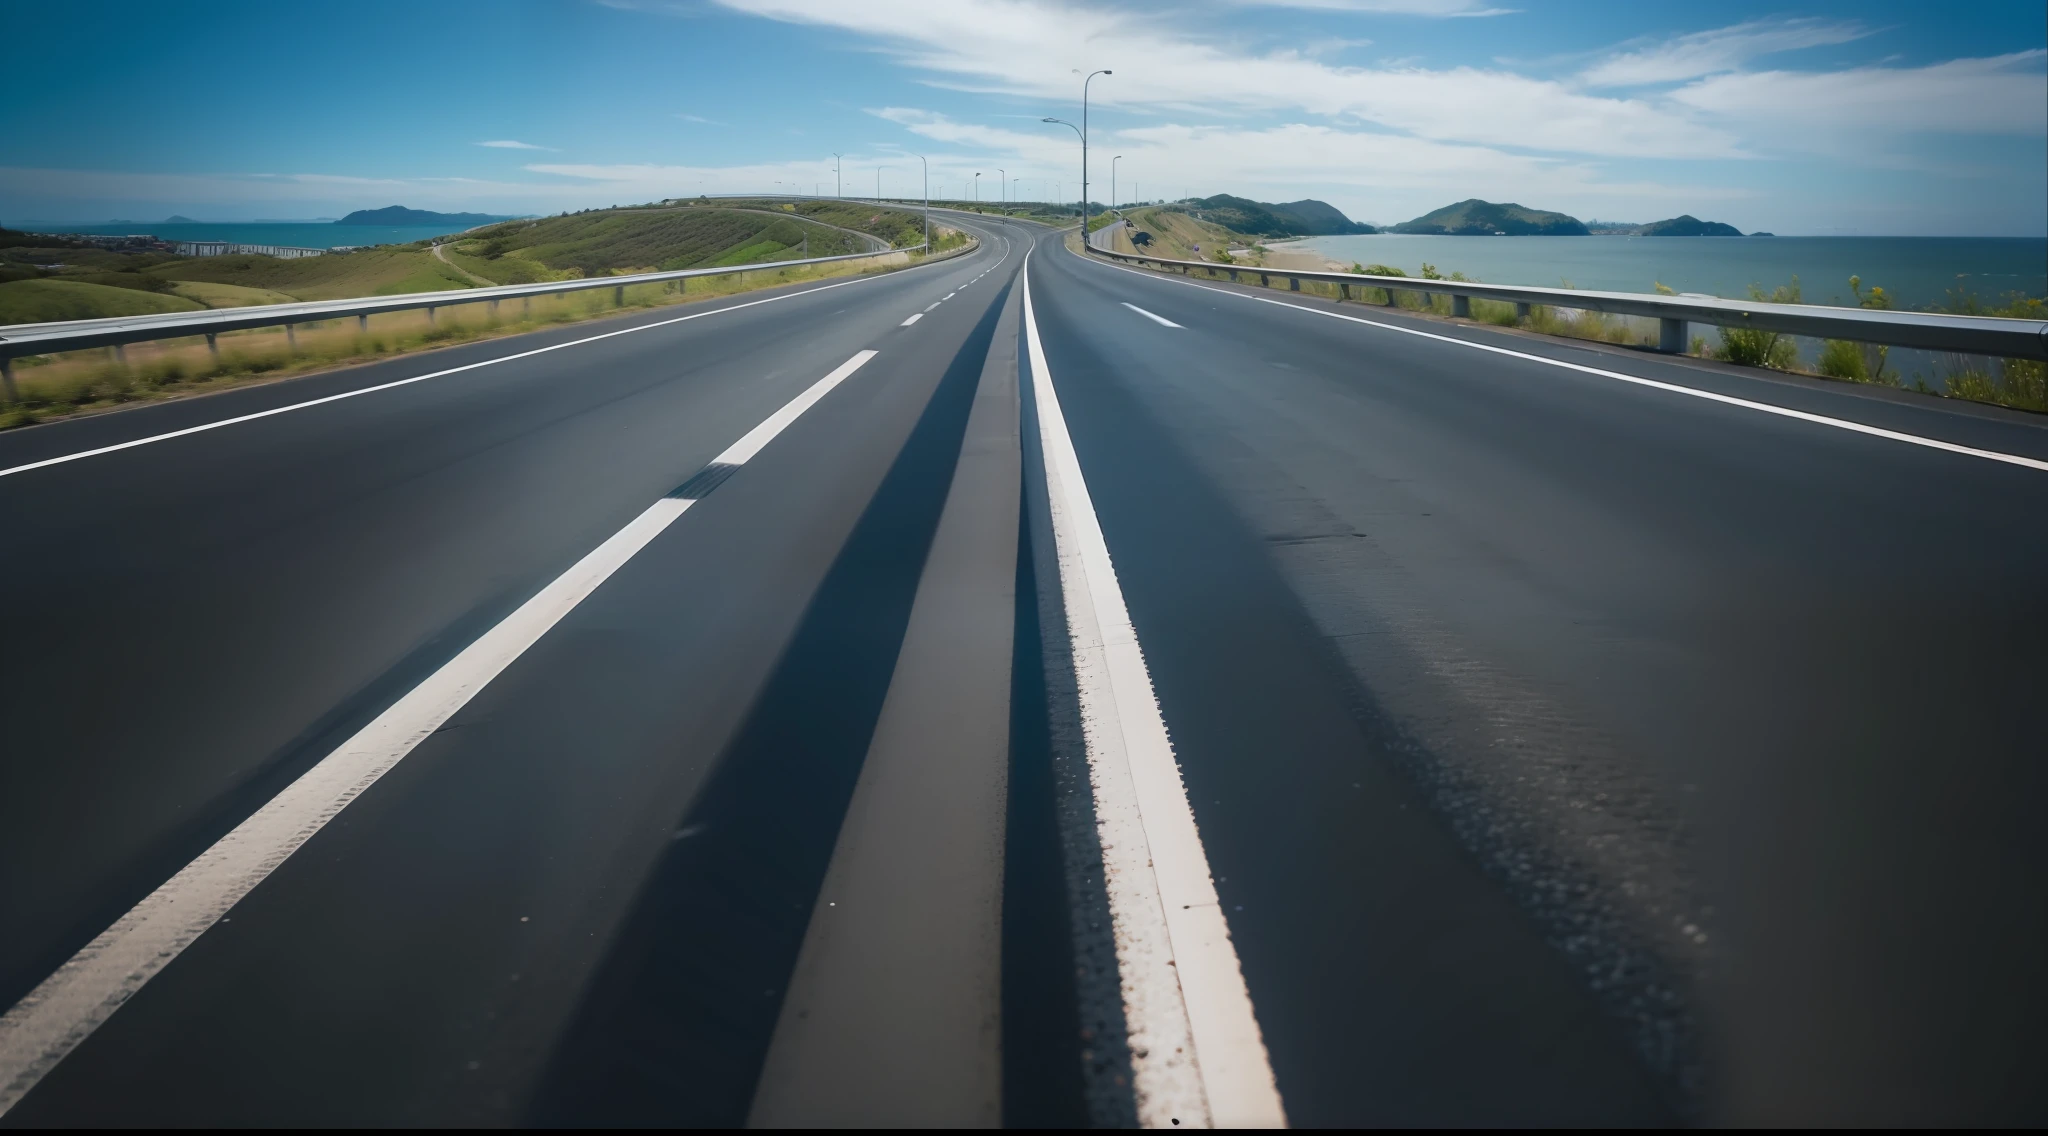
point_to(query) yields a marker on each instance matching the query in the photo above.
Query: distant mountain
(1484, 218)
(1687, 225)
(1305, 218)
(179, 219)
(400, 215)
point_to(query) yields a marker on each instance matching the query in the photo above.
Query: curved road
(1056, 695)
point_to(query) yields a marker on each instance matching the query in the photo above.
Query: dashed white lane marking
(311, 402)
(1636, 380)
(935, 303)
(947, 296)
(63, 1011)
(911, 320)
(1160, 320)
(1196, 1051)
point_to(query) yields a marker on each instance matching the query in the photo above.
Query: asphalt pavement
(809, 707)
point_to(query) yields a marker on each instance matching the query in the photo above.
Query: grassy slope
(372, 272)
(40, 301)
(1175, 235)
(228, 295)
(689, 236)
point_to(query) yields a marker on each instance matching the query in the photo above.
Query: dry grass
(74, 382)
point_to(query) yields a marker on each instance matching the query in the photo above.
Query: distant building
(224, 248)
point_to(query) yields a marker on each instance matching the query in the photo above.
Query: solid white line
(1162, 320)
(202, 428)
(1673, 388)
(41, 1029)
(911, 320)
(1197, 1055)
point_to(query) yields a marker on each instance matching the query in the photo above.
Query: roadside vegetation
(2017, 383)
(64, 384)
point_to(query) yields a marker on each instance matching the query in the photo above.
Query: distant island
(179, 219)
(1687, 225)
(1476, 218)
(400, 215)
(1304, 218)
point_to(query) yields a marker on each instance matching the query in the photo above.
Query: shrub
(1754, 347)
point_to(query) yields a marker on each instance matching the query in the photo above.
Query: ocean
(311, 234)
(1917, 271)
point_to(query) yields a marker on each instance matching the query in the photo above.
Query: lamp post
(977, 187)
(1084, 178)
(927, 167)
(838, 186)
(1112, 179)
(1084, 144)
(878, 181)
(1005, 190)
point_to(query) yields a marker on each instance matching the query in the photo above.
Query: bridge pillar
(1671, 336)
(1461, 307)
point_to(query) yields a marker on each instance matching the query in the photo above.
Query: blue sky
(1874, 117)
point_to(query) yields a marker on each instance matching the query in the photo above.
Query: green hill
(400, 215)
(49, 299)
(1687, 225)
(383, 271)
(1305, 218)
(1485, 218)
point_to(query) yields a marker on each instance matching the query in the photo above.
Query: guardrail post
(525, 306)
(494, 309)
(619, 296)
(1265, 281)
(1294, 283)
(7, 379)
(362, 325)
(1391, 302)
(213, 344)
(1461, 307)
(1233, 275)
(1521, 313)
(430, 315)
(291, 337)
(120, 352)
(1671, 336)
(1343, 290)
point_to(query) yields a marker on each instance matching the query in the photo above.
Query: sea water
(1917, 272)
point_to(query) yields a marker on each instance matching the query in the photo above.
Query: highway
(1025, 689)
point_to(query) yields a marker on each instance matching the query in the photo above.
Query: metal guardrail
(1993, 336)
(18, 340)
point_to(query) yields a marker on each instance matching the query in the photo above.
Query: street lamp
(1084, 162)
(1112, 179)
(927, 167)
(977, 187)
(1005, 190)
(878, 181)
(1082, 130)
(838, 187)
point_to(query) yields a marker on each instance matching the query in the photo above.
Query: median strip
(58, 1015)
(1198, 1058)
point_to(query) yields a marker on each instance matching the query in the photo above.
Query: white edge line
(64, 1009)
(240, 418)
(1198, 1057)
(1161, 320)
(1673, 388)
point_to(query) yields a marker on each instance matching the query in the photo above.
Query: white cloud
(508, 144)
(2004, 94)
(1440, 9)
(699, 119)
(1032, 47)
(1712, 52)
